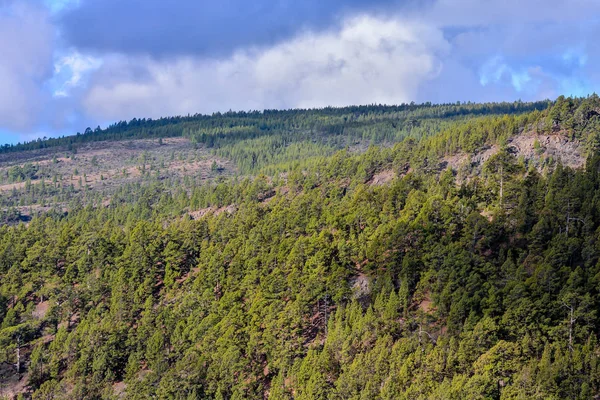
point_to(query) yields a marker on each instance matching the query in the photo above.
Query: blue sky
(70, 64)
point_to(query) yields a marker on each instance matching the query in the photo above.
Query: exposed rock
(383, 177)
(361, 286)
(41, 309)
(534, 148)
(230, 209)
(570, 152)
(119, 389)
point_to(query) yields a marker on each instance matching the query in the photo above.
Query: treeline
(326, 120)
(276, 149)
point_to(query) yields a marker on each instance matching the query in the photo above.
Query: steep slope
(360, 274)
(534, 149)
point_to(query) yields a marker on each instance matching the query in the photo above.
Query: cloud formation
(159, 28)
(26, 48)
(76, 63)
(69, 72)
(367, 60)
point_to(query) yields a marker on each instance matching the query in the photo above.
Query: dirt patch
(119, 389)
(41, 309)
(455, 161)
(201, 213)
(426, 304)
(11, 186)
(11, 383)
(487, 215)
(47, 338)
(230, 209)
(383, 177)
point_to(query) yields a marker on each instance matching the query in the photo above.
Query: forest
(345, 254)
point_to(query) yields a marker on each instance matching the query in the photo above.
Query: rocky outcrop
(535, 148)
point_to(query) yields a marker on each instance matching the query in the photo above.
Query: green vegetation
(21, 173)
(315, 272)
(372, 122)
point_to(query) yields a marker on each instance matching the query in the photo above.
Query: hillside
(49, 174)
(407, 252)
(36, 181)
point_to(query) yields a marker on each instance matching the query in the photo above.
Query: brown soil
(426, 304)
(11, 383)
(41, 309)
(119, 389)
(383, 177)
(105, 166)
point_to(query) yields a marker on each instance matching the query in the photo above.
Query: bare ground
(534, 148)
(383, 177)
(106, 166)
(112, 162)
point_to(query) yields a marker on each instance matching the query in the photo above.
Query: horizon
(219, 113)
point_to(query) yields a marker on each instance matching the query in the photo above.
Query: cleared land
(104, 167)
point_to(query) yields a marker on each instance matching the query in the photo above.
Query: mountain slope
(309, 273)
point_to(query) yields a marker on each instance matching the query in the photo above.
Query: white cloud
(499, 52)
(26, 46)
(73, 68)
(443, 51)
(495, 70)
(366, 60)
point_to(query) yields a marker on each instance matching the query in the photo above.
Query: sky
(66, 65)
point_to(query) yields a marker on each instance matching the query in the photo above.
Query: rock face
(382, 178)
(361, 286)
(534, 148)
